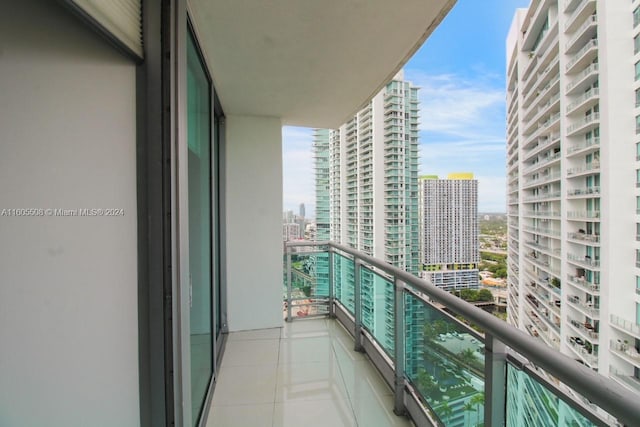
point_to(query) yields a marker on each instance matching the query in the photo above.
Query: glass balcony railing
(448, 362)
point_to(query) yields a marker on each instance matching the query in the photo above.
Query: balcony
(584, 101)
(543, 196)
(542, 230)
(587, 169)
(584, 56)
(584, 237)
(541, 144)
(586, 307)
(306, 370)
(583, 80)
(625, 351)
(551, 158)
(585, 147)
(581, 283)
(626, 326)
(586, 329)
(593, 191)
(627, 380)
(583, 353)
(591, 216)
(542, 214)
(584, 9)
(586, 32)
(428, 364)
(583, 261)
(588, 122)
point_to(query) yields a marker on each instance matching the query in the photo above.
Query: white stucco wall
(253, 206)
(68, 285)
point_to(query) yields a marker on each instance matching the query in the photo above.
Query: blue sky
(461, 72)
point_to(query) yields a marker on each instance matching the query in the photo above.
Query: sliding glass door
(201, 225)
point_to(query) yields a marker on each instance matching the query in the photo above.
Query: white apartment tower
(573, 178)
(371, 163)
(449, 231)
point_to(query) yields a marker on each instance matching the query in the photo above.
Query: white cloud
(491, 193)
(457, 107)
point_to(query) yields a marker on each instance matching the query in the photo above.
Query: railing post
(357, 306)
(332, 290)
(399, 347)
(495, 381)
(289, 284)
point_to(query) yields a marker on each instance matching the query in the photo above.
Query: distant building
(287, 216)
(449, 230)
(302, 210)
(310, 231)
(290, 231)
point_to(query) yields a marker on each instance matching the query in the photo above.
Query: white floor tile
(308, 328)
(310, 381)
(241, 416)
(343, 347)
(258, 334)
(363, 380)
(378, 412)
(241, 385)
(251, 352)
(304, 350)
(318, 413)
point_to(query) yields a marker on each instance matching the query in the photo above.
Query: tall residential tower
(449, 231)
(368, 170)
(573, 170)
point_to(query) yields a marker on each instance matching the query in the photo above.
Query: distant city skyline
(461, 73)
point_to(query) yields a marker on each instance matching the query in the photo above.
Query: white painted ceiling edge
(311, 63)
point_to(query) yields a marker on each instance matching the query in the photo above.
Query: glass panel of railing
(377, 308)
(343, 281)
(309, 283)
(529, 403)
(445, 362)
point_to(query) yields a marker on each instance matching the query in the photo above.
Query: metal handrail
(603, 391)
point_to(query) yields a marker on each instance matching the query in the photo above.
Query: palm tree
(467, 356)
(446, 412)
(426, 383)
(478, 400)
(468, 407)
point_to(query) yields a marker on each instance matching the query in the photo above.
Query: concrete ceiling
(310, 62)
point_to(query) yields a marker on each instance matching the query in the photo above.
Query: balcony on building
(381, 312)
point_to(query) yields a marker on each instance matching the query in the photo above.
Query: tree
(500, 273)
(426, 382)
(478, 400)
(485, 295)
(468, 407)
(469, 295)
(446, 411)
(467, 356)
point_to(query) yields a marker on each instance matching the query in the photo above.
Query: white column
(253, 214)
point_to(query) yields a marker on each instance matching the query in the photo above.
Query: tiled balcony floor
(304, 374)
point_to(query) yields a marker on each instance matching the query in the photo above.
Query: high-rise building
(322, 170)
(371, 163)
(573, 170)
(302, 210)
(449, 231)
(290, 231)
